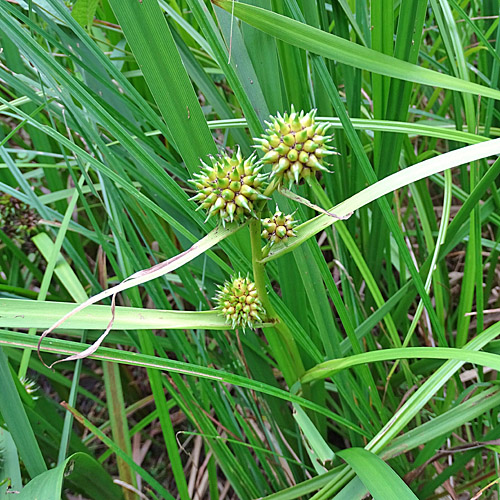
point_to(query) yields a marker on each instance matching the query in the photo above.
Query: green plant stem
(283, 345)
(259, 273)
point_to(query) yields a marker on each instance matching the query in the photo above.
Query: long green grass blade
(76, 470)
(395, 181)
(341, 50)
(14, 415)
(382, 482)
(42, 315)
(10, 471)
(144, 25)
(65, 347)
(328, 368)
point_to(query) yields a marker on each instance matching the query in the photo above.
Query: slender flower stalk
(294, 368)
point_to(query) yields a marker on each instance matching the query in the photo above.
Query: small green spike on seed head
(229, 187)
(278, 228)
(295, 146)
(238, 301)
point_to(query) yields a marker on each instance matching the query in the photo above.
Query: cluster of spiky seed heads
(239, 302)
(295, 146)
(278, 228)
(229, 187)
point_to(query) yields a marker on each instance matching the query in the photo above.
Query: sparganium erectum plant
(233, 189)
(339, 309)
(295, 146)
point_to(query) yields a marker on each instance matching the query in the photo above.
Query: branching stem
(291, 364)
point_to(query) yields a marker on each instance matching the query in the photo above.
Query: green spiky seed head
(229, 188)
(295, 146)
(278, 228)
(239, 302)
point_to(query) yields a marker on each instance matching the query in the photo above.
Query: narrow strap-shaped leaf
(10, 469)
(14, 415)
(214, 38)
(143, 276)
(395, 181)
(328, 368)
(57, 346)
(152, 43)
(382, 482)
(445, 423)
(20, 313)
(346, 52)
(78, 469)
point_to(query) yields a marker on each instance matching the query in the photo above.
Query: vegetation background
(388, 381)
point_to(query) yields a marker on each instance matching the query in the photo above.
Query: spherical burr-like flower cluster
(295, 146)
(278, 228)
(239, 302)
(229, 187)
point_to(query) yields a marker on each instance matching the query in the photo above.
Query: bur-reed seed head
(278, 228)
(238, 301)
(229, 187)
(295, 145)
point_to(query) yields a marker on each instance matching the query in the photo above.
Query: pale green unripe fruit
(229, 187)
(280, 219)
(295, 146)
(281, 232)
(278, 228)
(239, 302)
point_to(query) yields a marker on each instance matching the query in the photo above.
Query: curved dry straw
(136, 279)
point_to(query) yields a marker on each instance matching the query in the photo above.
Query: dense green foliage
(371, 362)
